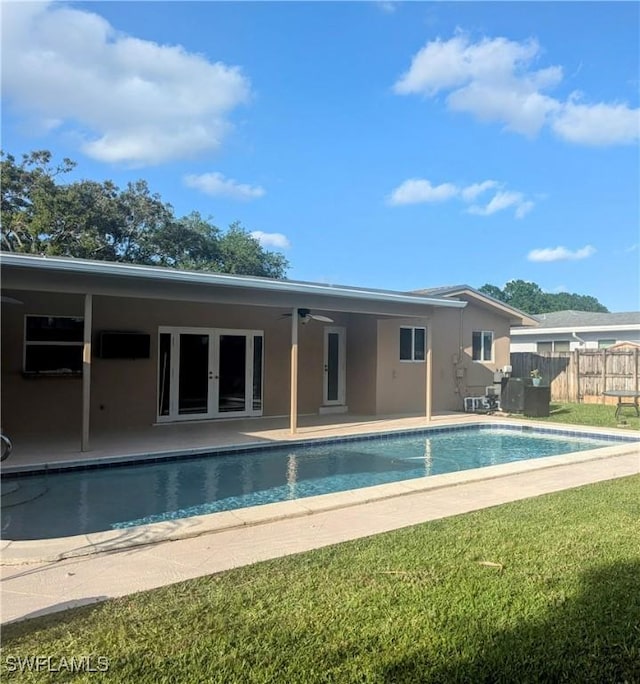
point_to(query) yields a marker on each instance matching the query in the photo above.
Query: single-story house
(564, 331)
(99, 346)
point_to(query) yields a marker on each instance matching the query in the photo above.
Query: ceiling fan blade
(306, 315)
(10, 300)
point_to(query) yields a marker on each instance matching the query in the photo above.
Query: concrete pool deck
(104, 565)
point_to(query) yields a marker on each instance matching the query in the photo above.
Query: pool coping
(14, 552)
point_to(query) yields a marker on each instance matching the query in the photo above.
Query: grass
(598, 415)
(542, 590)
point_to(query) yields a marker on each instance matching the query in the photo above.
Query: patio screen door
(209, 373)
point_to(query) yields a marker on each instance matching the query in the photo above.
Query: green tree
(493, 291)
(242, 253)
(26, 188)
(93, 220)
(530, 297)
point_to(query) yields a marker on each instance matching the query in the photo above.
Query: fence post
(578, 361)
(604, 376)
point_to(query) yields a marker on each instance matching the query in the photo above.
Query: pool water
(83, 501)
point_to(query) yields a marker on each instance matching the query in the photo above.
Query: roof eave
(166, 275)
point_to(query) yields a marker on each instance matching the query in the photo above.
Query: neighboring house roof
(581, 321)
(466, 292)
(557, 319)
(107, 277)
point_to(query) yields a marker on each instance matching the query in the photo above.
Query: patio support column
(428, 379)
(293, 423)
(86, 372)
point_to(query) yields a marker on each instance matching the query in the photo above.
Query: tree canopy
(92, 220)
(529, 297)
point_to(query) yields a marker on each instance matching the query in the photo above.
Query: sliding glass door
(209, 373)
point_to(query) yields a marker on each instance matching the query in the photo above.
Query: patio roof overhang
(57, 274)
(89, 278)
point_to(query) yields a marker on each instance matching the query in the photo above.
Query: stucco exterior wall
(53, 404)
(124, 392)
(400, 385)
(362, 349)
(479, 374)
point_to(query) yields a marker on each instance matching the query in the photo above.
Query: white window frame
(47, 343)
(482, 333)
(413, 329)
(213, 390)
(553, 346)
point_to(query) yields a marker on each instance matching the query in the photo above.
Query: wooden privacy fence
(582, 375)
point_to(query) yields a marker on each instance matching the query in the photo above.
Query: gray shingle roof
(567, 319)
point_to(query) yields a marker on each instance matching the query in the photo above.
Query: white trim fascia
(490, 301)
(159, 274)
(632, 327)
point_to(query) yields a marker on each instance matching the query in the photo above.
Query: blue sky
(380, 144)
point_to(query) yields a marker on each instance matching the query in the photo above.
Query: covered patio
(203, 360)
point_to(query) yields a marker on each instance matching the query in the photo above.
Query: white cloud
(494, 80)
(500, 201)
(560, 254)
(632, 248)
(277, 240)
(417, 191)
(217, 185)
(523, 208)
(599, 124)
(471, 192)
(421, 191)
(387, 6)
(132, 101)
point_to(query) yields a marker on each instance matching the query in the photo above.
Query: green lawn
(598, 415)
(542, 590)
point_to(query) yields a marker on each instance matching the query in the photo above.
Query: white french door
(209, 373)
(334, 390)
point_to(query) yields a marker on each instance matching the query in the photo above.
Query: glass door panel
(257, 373)
(333, 366)
(208, 373)
(232, 374)
(193, 376)
(164, 375)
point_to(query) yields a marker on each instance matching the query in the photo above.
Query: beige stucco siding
(480, 374)
(48, 405)
(400, 385)
(446, 339)
(124, 392)
(362, 345)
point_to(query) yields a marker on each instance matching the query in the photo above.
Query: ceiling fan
(306, 316)
(9, 300)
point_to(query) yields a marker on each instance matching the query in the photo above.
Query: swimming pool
(81, 501)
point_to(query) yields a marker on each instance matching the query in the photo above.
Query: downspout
(582, 342)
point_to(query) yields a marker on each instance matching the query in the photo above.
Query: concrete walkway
(35, 589)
